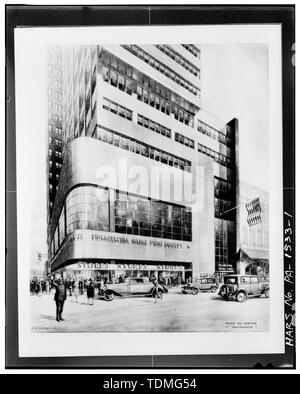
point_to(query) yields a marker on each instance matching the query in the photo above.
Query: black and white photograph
(146, 163)
(149, 225)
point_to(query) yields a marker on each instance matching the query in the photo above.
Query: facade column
(111, 198)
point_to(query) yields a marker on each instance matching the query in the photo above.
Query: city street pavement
(176, 312)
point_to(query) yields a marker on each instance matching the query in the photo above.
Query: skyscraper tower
(141, 105)
(54, 123)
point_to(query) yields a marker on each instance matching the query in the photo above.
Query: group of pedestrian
(62, 288)
(39, 287)
(76, 287)
(170, 281)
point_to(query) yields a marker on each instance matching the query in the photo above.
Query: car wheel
(109, 296)
(223, 293)
(195, 291)
(241, 296)
(213, 289)
(267, 293)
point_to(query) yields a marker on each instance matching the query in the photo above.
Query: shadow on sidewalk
(48, 317)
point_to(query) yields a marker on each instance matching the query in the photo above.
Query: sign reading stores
(110, 266)
(123, 240)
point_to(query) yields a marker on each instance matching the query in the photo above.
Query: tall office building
(135, 112)
(54, 124)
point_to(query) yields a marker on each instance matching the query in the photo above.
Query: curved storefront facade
(98, 228)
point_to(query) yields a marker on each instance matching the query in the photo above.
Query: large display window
(146, 217)
(87, 207)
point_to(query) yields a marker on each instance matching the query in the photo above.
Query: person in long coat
(47, 286)
(60, 297)
(90, 292)
(156, 292)
(76, 291)
(37, 287)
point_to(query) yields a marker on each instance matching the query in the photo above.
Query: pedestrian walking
(59, 298)
(37, 288)
(69, 286)
(47, 286)
(156, 292)
(179, 280)
(32, 284)
(90, 292)
(76, 291)
(80, 285)
(168, 282)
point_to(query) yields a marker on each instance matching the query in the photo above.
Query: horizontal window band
(146, 150)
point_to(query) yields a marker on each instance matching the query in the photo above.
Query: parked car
(133, 287)
(240, 287)
(201, 284)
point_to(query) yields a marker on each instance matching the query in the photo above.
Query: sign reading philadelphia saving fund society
(135, 241)
(106, 245)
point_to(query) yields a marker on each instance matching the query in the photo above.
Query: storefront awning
(253, 254)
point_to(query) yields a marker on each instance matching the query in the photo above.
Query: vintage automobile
(240, 287)
(200, 284)
(132, 287)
